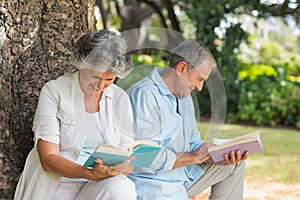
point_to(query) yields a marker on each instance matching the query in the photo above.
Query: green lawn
(280, 159)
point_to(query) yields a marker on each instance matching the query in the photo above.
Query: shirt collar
(110, 92)
(158, 81)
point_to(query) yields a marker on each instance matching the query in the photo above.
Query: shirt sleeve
(195, 136)
(148, 122)
(195, 141)
(46, 124)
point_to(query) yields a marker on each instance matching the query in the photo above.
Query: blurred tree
(272, 42)
(136, 13)
(216, 26)
(219, 28)
(36, 42)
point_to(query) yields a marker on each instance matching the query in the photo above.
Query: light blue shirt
(158, 117)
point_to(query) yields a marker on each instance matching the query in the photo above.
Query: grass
(279, 161)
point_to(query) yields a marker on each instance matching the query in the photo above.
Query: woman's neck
(92, 103)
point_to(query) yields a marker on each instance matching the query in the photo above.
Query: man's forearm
(186, 158)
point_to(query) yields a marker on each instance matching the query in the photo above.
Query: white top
(59, 118)
(90, 143)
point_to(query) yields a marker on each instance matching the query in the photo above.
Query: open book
(250, 142)
(144, 153)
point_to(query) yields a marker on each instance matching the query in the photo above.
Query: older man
(164, 112)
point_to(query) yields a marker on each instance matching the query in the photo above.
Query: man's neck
(169, 78)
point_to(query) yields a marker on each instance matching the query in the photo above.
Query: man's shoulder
(143, 85)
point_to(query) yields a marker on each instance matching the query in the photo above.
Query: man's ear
(181, 67)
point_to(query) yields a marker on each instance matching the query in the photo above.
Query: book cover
(144, 155)
(111, 155)
(250, 142)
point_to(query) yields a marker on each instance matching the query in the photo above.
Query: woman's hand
(101, 171)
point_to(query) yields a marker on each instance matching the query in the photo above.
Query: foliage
(143, 66)
(208, 17)
(220, 25)
(272, 42)
(148, 60)
(254, 71)
(269, 82)
(268, 97)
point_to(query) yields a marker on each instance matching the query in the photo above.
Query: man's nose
(199, 86)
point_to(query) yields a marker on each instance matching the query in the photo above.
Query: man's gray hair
(103, 51)
(193, 53)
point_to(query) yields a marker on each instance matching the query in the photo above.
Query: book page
(218, 141)
(223, 143)
(137, 143)
(105, 148)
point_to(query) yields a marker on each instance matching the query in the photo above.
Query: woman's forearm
(51, 161)
(64, 167)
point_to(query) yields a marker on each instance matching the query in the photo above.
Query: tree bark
(169, 6)
(36, 42)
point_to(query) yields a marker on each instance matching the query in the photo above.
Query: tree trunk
(36, 41)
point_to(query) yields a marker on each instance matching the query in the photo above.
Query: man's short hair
(193, 53)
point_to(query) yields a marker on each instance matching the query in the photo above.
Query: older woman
(74, 114)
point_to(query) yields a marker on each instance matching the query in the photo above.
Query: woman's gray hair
(193, 53)
(103, 51)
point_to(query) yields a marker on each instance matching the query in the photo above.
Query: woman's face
(93, 82)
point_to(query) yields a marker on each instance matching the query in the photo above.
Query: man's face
(193, 79)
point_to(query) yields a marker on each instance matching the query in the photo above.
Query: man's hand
(234, 158)
(202, 152)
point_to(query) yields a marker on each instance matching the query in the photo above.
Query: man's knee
(240, 167)
(237, 170)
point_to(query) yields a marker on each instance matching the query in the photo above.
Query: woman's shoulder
(64, 79)
(117, 88)
(60, 84)
(116, 92)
